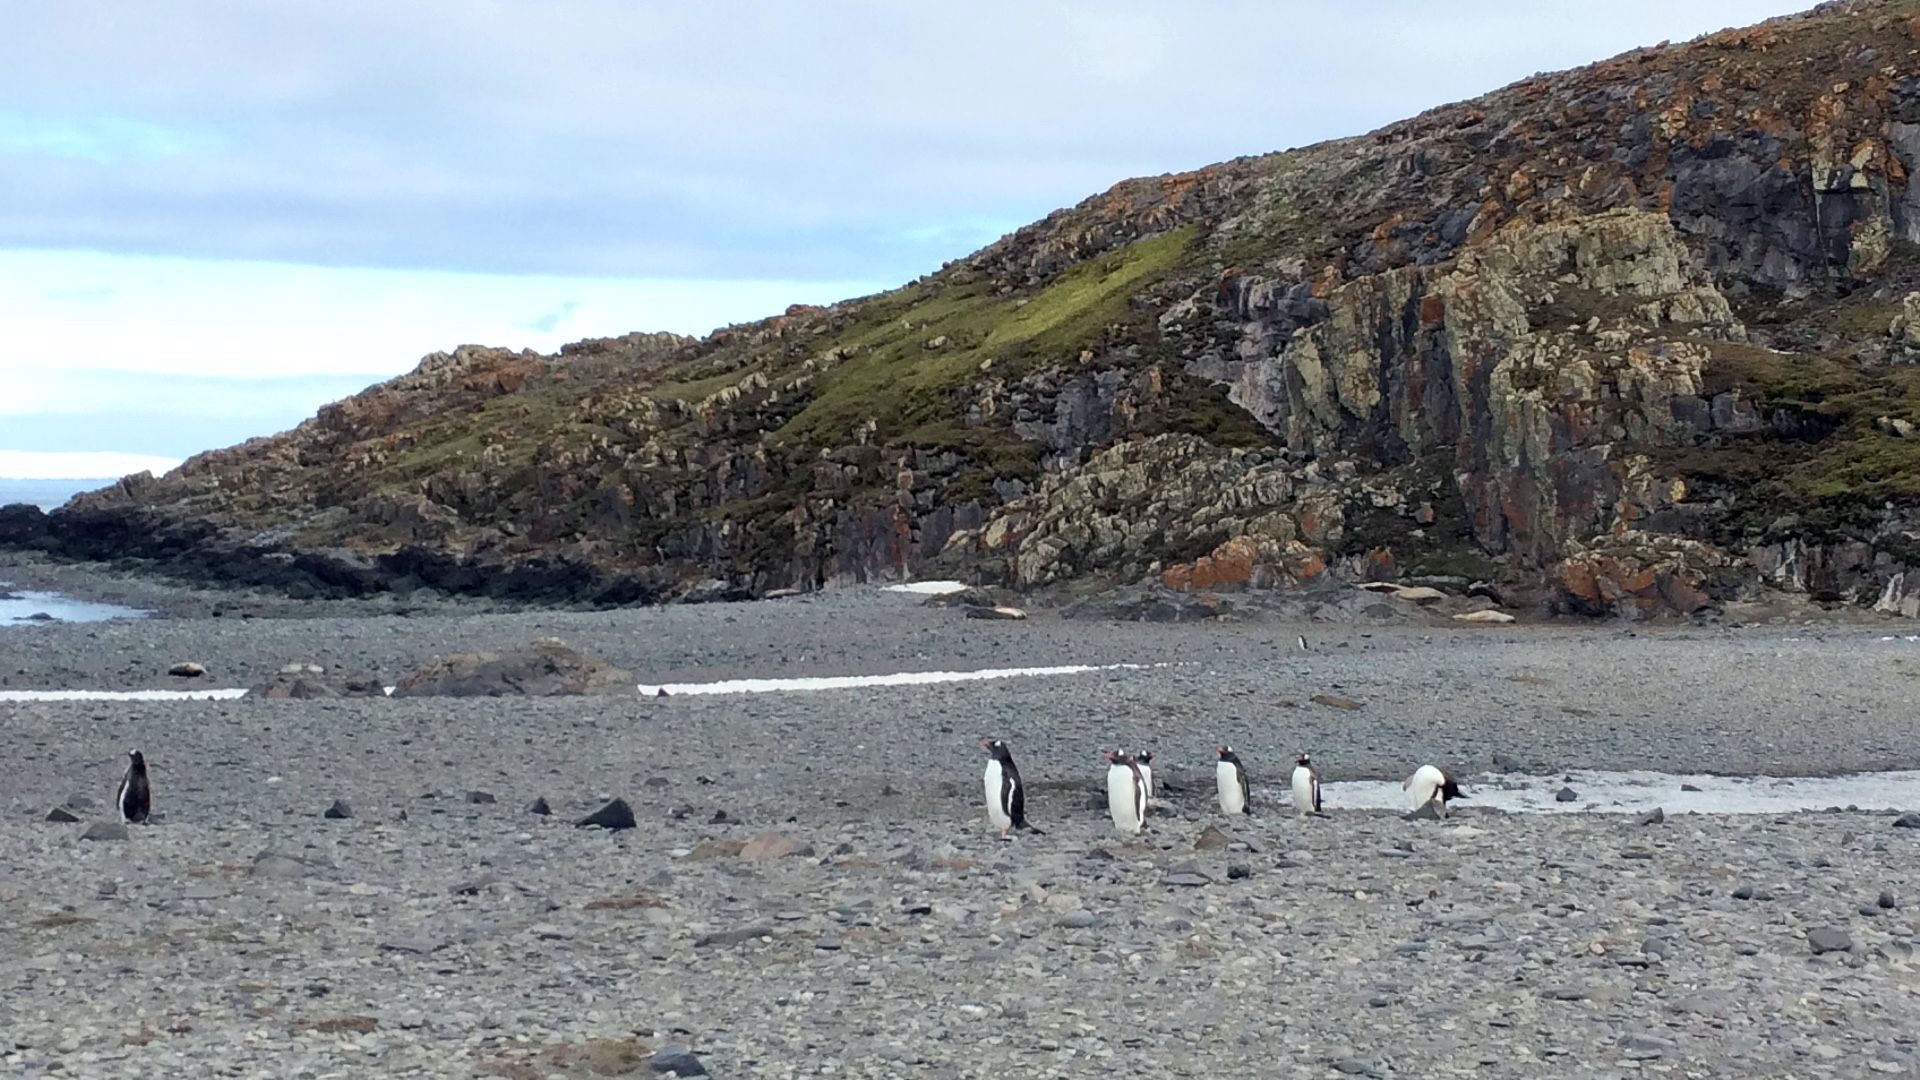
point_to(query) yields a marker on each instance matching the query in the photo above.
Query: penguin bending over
(1306, 785)
(1231, 778)
(1126, 792)
(1006, 795)
(135, 796)
(1428, 783)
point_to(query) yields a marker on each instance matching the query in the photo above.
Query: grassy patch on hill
(917, 347)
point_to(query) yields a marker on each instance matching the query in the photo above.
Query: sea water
(45, 494)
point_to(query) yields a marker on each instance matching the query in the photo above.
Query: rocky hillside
(1638, 338)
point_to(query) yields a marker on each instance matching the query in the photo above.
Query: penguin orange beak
(986, 744)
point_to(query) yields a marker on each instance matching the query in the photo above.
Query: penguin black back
(135, 797)
(1013, 793)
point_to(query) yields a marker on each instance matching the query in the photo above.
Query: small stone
(1689, 787)
(1566, 794)
(1078, 920)
(1886, 900)
(677, 1059)
(1353, 1067)
(105, 830)
(539, 806)
(1658, 947)
(1428, 812)
(1744, 892)
(187, 669)
(732, 937)
(1239, 872)
(1655, 816)
(1638, 1046)
(416, 946)
(1188, 877)
(615, 815)
(656, 782)
(339, 811)
(1828, 939)
(63, 815)
(480, 798)
(721, 817)
(1211, 839)
(1907, 821)
(79, 802)
(272, 864)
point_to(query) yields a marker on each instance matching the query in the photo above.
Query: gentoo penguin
(1303, 642)
(1145, 760)
(1306, 785)
(135, 797)
(1126, 792)
(1006, 795)
(1231, 777)
(1428, 783)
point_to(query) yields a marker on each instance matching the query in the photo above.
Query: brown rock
(547, 667)
(1489, 616)
(1333, 702)
(773, 846)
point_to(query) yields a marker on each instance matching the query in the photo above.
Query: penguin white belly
(1303, 790)
(991, 785)
(1228, 779)
(1425, 784)
(1121, 804)
(1146, 778)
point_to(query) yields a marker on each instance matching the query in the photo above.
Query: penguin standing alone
(1306, 785)
(1006, 795)
(1126, 792)
(1231, 777)
(135, 797)
(1428, 783)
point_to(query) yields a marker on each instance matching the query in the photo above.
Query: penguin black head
(1226, 754)
(1450, 789)
(139, 761)
(1303, 759)
(1144, 757)
(1118, 757)
(997, 748)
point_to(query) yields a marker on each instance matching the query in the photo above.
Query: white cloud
(91, 465)
(85, 311)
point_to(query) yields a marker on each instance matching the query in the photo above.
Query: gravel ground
(244, 934)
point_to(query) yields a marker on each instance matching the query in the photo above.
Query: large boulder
(548, 667)
(1642, 576)
(309, 682)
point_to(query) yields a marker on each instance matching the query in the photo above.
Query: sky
(219, 216)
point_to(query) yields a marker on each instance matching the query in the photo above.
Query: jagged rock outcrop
(1633, 338)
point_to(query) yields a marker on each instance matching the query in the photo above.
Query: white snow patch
(1638, 792)
(223, 694)
(928, 588)
(903, 678)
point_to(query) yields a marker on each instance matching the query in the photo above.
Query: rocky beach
(811, 888)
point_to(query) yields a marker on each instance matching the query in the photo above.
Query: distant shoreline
(46, 494)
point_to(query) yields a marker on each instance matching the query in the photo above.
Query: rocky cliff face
(1634, 339)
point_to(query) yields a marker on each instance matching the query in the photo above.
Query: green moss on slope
(912, 350)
